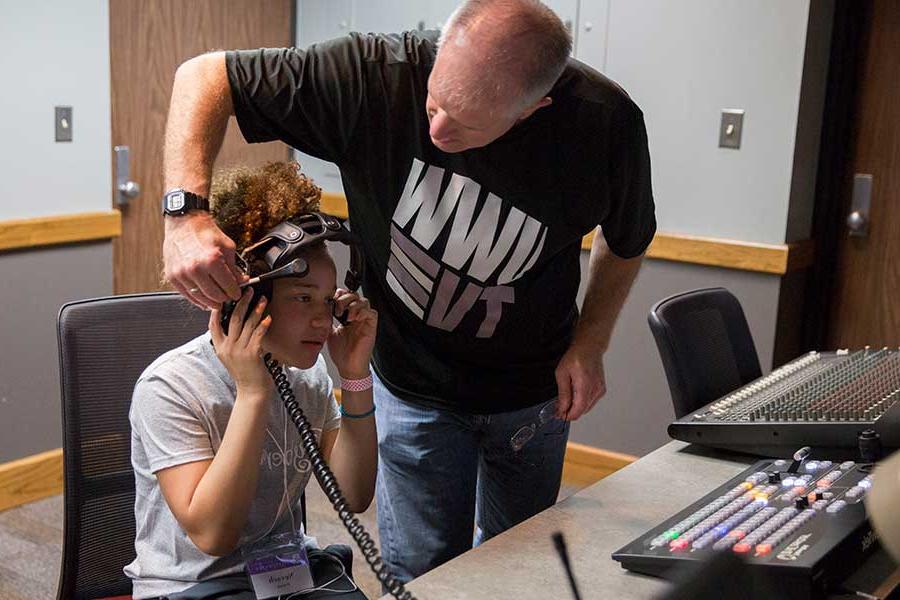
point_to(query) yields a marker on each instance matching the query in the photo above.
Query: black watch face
(175, 201)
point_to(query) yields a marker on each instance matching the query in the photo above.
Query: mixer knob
(801, 503)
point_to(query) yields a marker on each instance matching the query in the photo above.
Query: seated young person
(219, 466)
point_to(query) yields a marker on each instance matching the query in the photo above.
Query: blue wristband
(368, 413)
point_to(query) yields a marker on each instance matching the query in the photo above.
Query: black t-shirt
(472, 259)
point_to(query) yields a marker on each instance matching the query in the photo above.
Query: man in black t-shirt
(472, 168)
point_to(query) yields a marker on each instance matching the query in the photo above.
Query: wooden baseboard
(586, 465)
(31, 478)
(41, 475)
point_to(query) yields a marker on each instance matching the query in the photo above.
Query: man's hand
(580, 381)
(199, 260)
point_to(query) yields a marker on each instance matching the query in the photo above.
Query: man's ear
(545, 101)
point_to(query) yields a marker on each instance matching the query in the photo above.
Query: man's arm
(579, 375)
(197, 255)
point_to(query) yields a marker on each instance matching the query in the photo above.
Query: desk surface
(597, 521)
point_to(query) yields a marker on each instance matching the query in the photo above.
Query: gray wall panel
(37, 283)
(633, 415)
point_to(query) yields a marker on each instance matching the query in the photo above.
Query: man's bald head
(519, 48)
(496, 62)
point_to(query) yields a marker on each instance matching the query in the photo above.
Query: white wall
(54, 52)
(683, 62)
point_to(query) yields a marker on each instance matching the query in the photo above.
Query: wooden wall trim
(777, 259)
(31, 478)
(61, 229)
(41, 475)
(334, 204)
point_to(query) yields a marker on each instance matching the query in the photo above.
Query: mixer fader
(822, 399)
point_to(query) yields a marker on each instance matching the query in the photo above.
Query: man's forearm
(609, 281)
(198, 117)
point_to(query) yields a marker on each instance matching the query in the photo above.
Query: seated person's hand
(350, 346)
(240, 350)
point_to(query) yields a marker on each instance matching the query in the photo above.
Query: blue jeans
(440, 473)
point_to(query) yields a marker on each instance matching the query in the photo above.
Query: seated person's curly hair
(249, 201)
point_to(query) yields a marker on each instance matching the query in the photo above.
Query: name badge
(279, 568)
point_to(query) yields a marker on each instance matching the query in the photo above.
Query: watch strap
(179, 202)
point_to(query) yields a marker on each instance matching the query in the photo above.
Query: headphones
(275, 256)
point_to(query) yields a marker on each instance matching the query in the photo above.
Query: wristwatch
(178, 202)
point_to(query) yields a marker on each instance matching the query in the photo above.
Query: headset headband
(279, 247)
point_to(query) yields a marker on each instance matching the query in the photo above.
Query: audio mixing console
(822, 399)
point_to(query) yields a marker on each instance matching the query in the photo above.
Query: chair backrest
(705, 345)
(104, 345)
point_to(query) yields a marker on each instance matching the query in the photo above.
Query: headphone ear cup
(227, 310)
(353, 278)
(260, 290)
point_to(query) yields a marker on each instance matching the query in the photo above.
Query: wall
(683, 62)
(42, 281)
(54, 53)
(51, 53)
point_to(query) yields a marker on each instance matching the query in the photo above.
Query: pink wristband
(357, 385)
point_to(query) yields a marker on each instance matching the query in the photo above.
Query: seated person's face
(301, 310)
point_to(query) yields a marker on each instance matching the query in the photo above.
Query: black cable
(560, 545)
(330, 485)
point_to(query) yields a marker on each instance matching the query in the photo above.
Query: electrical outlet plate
(63, 121)
(731, 127)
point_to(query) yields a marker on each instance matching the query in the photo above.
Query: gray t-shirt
(179, 412)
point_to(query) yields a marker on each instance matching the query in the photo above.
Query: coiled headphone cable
(330, 485)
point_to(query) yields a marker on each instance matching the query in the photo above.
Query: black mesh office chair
(705, 345)
(104, 346)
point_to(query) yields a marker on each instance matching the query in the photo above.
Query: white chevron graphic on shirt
(441, 285)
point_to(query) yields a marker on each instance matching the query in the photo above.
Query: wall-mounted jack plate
(63, 123)
(731, 127)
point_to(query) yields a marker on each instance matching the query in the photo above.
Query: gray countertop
(597, 521)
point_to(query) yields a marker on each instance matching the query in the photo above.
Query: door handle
(860, 203)
(125, 188)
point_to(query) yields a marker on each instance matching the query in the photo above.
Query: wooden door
(866, 304)
(148, 40)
